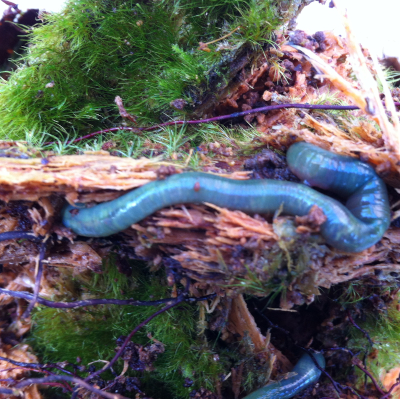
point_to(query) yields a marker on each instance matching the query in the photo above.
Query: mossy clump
(376, 332)
(91, 334)
(384, 331)
(79, 60)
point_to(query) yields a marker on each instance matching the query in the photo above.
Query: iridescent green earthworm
(352, 227)
(307, 373)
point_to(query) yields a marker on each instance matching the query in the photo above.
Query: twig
(338, 348)
(63, 385)
(204, 46)
(7, 391)
(19, 235)
(339, 387)
(272, 325)
(95, 302)
(73, 380)
(214, 119)
(357, 362)
(38, 279)
(34, 366)
(58, 384)
(365, 333)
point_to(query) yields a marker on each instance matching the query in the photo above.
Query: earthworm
(353, 226)
(307, 373)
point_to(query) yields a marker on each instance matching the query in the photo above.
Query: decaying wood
(80, 178)
(213, 245)
(21, 353)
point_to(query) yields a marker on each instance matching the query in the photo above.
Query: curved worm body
(306, 374)
(352, 227)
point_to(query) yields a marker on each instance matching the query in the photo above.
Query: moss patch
(145, 52)
(91, 333)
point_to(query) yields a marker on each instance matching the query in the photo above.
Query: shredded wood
(80, 178)
(21, 353)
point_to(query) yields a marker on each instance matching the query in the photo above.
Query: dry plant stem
(272, 325)
(215, 119)
(368, 83)
(339, 348)
(7, 391)
(17, 392)
(74, 380)
(19, 235)
(357, 362)
(94, 302)
(204, 46)
(35, 366)
(38, 279)
(366, 335)
(63, 385)
(340, 388)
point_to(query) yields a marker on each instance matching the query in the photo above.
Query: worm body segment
(306, 374)
(352, 227)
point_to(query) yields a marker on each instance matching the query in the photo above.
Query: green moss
(382, 323)
(145, 52)
(90, 333)
(384, 330)
(392, 78)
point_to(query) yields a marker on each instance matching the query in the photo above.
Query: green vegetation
(174, 142)
(392, 78)
(384, 330)
(145, 52)
(90, 333)
(380, 319)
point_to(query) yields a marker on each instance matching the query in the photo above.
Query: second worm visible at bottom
(307, 373)
(352, 227)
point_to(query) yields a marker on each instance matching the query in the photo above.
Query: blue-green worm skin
(307, 374)
(352, 227)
